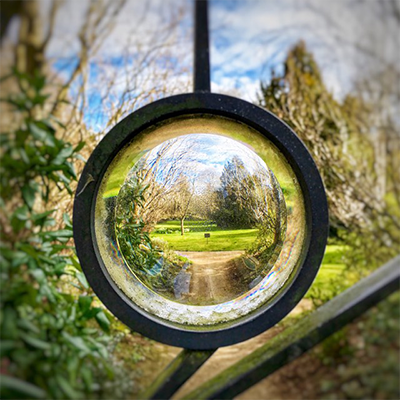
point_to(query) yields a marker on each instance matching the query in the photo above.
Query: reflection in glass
(200, 219)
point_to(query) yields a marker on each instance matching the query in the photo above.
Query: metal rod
(182, 367)
(295, 341)
(201, 68)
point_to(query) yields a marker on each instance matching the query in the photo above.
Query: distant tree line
(246, 199)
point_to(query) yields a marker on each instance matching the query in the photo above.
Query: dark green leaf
(21, 213)
(35, 342)
(67, 220)
(17, 388)
(66, 387)
(40, 219)
(77, 342)
(29, 194)
(103, 321)
(6, 346)
(63, 233)
(82, 279)
(87, 377)
(85, 303)
(29, 325)
(79, 147)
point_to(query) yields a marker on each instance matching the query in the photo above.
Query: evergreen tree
(339, 135)
(231, 208)
(328, 128)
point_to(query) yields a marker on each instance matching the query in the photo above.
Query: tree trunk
(182, 227)
(29, 50)
(7, 13)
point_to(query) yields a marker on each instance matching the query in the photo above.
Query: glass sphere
(200, 219)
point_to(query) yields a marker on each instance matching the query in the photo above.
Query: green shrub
(54, 339)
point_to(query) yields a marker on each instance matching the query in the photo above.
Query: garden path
(215, 276)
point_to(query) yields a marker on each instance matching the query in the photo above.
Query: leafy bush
(54, 341)
(150, 260)
(353, 356)
(133, 239)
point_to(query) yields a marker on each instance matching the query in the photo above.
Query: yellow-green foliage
(361, 182)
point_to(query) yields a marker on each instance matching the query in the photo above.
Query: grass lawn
(332, 266)
(239, 239)
(194, 240)
(332, 263)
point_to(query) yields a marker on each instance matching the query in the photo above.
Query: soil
(215, 276)
(271, 388)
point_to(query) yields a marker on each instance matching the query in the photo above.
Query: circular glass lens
(200, 221)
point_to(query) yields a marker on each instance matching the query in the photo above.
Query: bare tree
(181, 200)
(141, 75)
(163, 173)
(204, 202)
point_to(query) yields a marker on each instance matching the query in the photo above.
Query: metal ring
(300, 161)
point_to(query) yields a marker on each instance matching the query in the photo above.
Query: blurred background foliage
(57, 340)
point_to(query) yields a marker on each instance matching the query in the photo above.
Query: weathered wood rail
(283, 348)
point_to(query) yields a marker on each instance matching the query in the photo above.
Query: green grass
(332, 263)
(331, 268)
(325, 286)
(220, 240)
(240, 239)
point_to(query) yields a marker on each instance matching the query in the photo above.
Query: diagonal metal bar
(201, 68)
(304, 335)
(184, 365)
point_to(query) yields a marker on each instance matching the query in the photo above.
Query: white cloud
(203, 156)
(251, 36)
(248, 38)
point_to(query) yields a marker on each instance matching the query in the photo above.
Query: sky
(146, 53)
(252, 37)
(202, 158)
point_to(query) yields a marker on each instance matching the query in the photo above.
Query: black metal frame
(181, 369)
(274, 130)
(201, 56)
(292, 342)
(283, 348)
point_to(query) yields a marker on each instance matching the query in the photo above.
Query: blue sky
(249, 38)
(202, 157)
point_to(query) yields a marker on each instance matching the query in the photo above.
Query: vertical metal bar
(201, 68)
